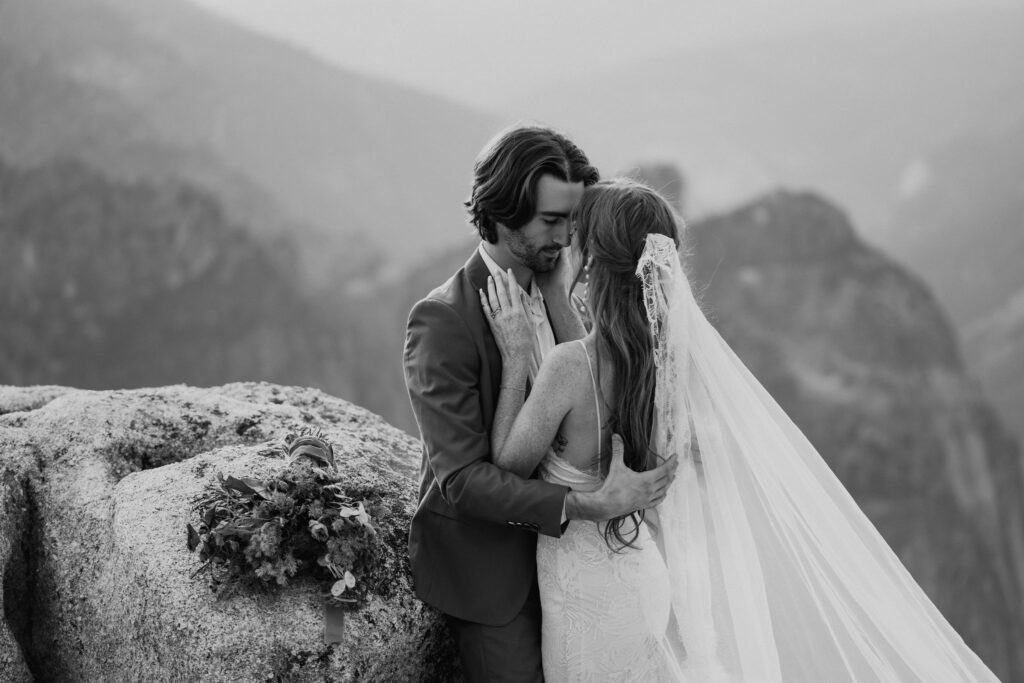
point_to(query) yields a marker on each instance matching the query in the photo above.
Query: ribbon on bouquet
(334, 623)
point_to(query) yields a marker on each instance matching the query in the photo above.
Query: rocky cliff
(106, 284)
(960, 226)
(95, 492)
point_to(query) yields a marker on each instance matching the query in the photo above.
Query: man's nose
(561, 234)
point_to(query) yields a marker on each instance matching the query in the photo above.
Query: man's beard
(537, 259)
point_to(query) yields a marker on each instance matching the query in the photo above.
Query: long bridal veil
(776, 573)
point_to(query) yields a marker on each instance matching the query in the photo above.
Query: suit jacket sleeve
(442, 371)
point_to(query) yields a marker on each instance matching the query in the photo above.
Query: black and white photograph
(474, 341)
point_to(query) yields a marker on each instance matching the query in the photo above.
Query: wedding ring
(495, 312)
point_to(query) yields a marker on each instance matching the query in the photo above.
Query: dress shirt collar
(534, 297)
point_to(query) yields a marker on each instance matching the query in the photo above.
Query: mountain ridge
(106, 283)
(291, 143)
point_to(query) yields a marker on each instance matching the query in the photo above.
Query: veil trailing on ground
(776, 573)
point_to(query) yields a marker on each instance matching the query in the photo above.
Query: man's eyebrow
(554, 214)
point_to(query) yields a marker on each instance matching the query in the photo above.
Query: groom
(472, 542)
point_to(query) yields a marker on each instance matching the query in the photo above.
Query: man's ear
(500, 230)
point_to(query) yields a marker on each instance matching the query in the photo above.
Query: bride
(758, 565)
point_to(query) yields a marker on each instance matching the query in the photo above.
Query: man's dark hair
(506, 174)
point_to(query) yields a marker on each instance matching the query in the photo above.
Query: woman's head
(614, 218)
(613, 221)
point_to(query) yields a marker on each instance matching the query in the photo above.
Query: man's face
(537, 244)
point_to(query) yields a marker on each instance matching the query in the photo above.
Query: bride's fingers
(485, 304)
(516, 302)
(668, 466)
(618, 452)
(501, 284)
(492, 295)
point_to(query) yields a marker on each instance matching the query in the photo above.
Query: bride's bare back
(583, 438)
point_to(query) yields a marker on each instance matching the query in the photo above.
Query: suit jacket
(472, 543)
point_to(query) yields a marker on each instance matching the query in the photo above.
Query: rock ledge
(95, 492)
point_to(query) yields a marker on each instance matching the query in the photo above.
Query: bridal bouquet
(301, 522)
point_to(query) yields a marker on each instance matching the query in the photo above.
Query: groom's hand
(623, 491)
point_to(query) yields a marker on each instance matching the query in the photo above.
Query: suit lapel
(476, 273)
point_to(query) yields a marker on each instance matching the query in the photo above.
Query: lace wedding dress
(605, 613)
(771, 572)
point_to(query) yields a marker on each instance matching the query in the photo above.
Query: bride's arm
(523, 430)
(556, 285)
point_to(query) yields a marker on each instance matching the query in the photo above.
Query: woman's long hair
(613, 219)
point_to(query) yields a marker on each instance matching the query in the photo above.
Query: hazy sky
(485, 51)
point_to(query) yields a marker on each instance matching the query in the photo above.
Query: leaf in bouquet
(359, 514)
(193, 538)
(247, 485)
(205, 565)
(339, 587)
(258, 486)
(234, 530)
(349, 511)
(350, 579)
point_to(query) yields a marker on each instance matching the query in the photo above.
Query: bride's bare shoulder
(565, 364)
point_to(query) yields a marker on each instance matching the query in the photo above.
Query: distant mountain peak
(783, 225)
(290, 144)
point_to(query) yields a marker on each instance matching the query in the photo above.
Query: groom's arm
(442, 373)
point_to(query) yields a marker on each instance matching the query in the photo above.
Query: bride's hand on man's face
(504, 310)
(556, 282)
